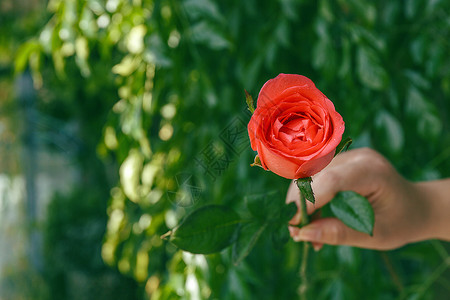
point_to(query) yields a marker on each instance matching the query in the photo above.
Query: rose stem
(304, 215)
(302, 272)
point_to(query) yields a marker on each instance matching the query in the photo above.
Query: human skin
(405, 212)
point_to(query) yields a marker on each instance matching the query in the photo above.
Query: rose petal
(277, 164)
(313, 166)
(274, 87)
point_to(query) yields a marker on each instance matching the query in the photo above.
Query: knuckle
(337, 234)
(366, 154)
(332, 176)
(370, 157)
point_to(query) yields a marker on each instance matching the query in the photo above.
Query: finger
(317, 246)
(294, 231)
(294, 196)
(356, 170)
(333, 232)
(323, 182)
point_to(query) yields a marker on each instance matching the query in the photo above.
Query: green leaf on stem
(354, 211)
(248, 235)
(249, 100)
(280, 236)
(304, 185)
(206, 230)
(264, 206)
(343, 145)
(288, 212)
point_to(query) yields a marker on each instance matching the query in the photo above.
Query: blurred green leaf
(325, 56)
(429, 126)
(363, 35)
(206, 230)
(197, 9)
(249, 71)
(392, 130)
(326, 10)
(248, 235)
(365, 10)
(369, 69)
(418, 48)
(346, 59)
(130, 172)
(265, 205)
(128, 65)
(155, 53)
(206, 34)
(280, 236)
(287, 213)
(24, 53)
(282, 33)
(354, 211)
(411, 7)
(289, 9)
(417, 79)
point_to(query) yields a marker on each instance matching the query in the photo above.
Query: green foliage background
(152, 83)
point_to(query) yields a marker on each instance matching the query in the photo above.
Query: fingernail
(308, 233)
(317, 247)
(293, 231)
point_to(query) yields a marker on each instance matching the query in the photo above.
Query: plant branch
(390, 267)
(304, 214)
(303, 266)
(433, 278)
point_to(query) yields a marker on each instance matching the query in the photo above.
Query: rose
(295, 128)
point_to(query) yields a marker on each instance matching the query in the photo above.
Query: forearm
(437, 195)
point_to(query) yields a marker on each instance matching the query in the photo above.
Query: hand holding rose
(405, 212)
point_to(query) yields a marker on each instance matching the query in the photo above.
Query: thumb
(357, 170)
(330, 231)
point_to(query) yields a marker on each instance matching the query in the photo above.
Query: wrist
(435, 195)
